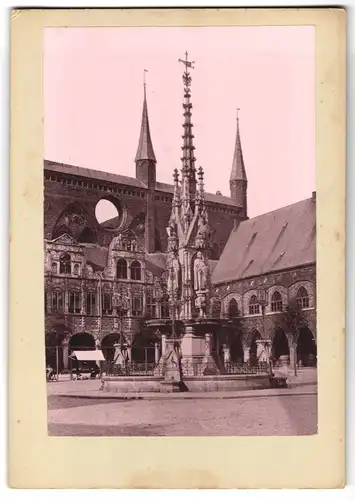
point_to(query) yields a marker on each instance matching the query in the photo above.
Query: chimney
(314, 196)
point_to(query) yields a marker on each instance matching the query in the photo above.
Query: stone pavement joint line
(262, 393)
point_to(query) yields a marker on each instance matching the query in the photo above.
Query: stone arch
(280, 344)
(82, 341)
(282, 291)
(73, 219)
(226, 300)
(118, 222)
(306, 347)
(308, 286)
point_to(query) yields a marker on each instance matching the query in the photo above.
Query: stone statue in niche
(201, 304)
(173, 267)
(202, 239)
(201, 273)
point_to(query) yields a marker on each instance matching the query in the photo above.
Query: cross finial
(188, 64)
(238, 109)
(144, 81)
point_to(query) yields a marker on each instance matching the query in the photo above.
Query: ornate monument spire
(188, 171)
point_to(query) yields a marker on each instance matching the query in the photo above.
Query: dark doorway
(143, 349)
(280, 345)
(54, 351)
(306, 348)
(107, 346)
(80, 342)
(236, 350)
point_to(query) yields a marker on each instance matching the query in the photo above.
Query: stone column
(226, 354)
(163, 344)
(129, 352)
(246, 350)
(156, 352)
(208, 346)
(65, 345)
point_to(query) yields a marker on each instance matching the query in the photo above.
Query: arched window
(302, 298)
(254, 307)
(122, 269)
(65, 264)
(54, 268)
(76, 269)
(136, 271)
(276, 302)
(232, 308)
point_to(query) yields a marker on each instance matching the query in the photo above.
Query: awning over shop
(96, 355)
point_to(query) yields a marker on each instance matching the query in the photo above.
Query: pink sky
(93, 103)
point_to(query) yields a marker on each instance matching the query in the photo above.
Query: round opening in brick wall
(108, 213)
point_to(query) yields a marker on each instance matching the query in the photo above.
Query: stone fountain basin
(203, 383)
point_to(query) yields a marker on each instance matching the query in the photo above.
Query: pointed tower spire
(238, 169)
(145, 157)
(146, 172)
(145, 149)
(238, 181)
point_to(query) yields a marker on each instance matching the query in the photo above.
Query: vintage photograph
(180, 231)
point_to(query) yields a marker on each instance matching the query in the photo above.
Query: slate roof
(93, 174)
(122, 179)
(278, 240)
(96, 256)
(155, 263)
(210, 197)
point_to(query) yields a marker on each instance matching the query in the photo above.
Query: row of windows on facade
(57, 301)
(302, 302)
(133, 272)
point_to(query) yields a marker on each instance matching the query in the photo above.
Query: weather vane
(188, 64)
(144, 72)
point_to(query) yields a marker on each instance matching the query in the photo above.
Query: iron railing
(131, 369)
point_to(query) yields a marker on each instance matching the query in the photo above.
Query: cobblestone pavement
(283, 415)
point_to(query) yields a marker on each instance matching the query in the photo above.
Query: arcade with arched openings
(306, 348)
(80, 342)
(280, 345)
